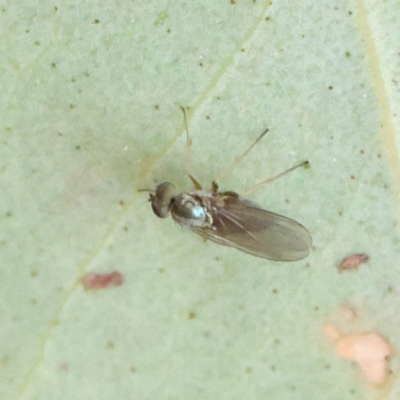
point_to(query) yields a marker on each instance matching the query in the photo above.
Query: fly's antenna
(305, 164)
(188, 142)
(240, 158)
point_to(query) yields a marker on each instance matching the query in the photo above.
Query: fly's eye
(165, 192)
(161, 201)
(160, 211)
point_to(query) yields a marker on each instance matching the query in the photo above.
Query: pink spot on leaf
(353, 261)
(93, 281)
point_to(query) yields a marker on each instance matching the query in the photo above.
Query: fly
(229, 219)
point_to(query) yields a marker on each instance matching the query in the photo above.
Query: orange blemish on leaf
(371, 351)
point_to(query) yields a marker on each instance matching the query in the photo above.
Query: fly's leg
(188, 142)
(214, 187)
(196, 183)
(240, 158)
(305, 164)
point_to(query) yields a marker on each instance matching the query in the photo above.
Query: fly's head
(162, 199)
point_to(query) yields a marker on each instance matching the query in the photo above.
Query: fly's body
(231, 220)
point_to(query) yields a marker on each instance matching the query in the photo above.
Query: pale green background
(90, 97)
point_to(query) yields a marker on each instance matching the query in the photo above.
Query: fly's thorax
(187, 209)
(162, 199)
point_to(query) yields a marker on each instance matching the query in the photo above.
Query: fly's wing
(244, 225)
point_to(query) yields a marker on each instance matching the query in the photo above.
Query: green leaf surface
(90, 113)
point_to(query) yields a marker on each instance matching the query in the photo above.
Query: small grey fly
(229, 219)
